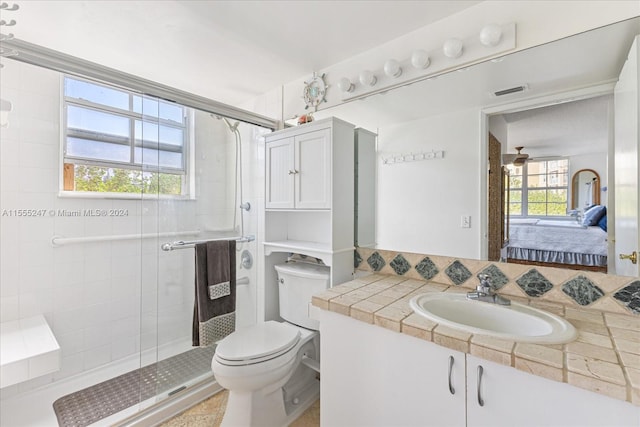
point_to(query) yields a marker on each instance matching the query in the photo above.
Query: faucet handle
(484, 281)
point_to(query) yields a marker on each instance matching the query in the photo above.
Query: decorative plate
(314, 91)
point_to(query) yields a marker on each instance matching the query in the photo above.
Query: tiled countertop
(605, 358)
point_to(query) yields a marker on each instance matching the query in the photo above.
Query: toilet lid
(258, 342)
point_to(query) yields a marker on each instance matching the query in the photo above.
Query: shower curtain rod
(190, 244)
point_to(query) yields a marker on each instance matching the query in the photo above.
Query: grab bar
(60, 241)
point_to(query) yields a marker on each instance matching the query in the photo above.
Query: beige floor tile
(209, 413)
(310, 418)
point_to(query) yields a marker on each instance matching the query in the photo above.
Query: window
(539, 188)
(122, 142)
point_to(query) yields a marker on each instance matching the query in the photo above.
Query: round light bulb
(491, 35)
(392, 68)
(452, 48)
(367, 78)
(345, 85)
(420, 59)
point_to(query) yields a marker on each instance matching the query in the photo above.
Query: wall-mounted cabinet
(309, 200)
(299, 170)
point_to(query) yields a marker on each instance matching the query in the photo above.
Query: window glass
(151, 157)
(123, 139)
(98, 94)
(98, 150)
(86, 119)
(541, 188)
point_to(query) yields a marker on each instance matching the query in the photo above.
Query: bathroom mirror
(422, 205)
(585, 189)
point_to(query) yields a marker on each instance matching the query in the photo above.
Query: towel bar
(190, 244)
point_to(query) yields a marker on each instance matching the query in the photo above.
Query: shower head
(232, 127)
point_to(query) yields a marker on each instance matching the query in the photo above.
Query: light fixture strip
(473, 51)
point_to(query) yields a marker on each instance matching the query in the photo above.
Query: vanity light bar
(454, 54)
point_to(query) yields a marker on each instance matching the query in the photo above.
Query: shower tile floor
(209, 413)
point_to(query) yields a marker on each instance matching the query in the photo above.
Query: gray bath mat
(99, 401)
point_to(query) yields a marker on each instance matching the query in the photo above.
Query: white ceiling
(571, 128)
(230, 51)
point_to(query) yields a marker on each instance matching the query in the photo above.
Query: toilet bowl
(264, 366)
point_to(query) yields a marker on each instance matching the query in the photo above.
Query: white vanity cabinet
(514, 398)
(299, 169)
(375, 377)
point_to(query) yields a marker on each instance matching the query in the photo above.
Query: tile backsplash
(586, 289)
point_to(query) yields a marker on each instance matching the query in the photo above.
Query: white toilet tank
(297, 283)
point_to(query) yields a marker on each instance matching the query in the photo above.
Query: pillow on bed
(593, 215)
(603, 222)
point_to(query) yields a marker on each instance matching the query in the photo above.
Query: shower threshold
(166, 377)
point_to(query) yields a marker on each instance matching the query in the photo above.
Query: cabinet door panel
(515, 398)
(280, 174)
(313, 166)
(375, 377)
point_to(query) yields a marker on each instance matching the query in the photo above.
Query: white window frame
(187, 150)
(524, 199)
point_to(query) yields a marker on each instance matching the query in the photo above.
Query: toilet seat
(256, 344)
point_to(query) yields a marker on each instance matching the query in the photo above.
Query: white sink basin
(515, 322)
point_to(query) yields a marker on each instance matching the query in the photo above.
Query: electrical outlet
(465, 221)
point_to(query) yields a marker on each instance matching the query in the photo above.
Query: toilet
(267, 367)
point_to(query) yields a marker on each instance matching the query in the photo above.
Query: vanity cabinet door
(299, 171)
(313, 170)
(514, 398)
(280, 174)
(372, 376)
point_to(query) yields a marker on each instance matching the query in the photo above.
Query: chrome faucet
(484, 292)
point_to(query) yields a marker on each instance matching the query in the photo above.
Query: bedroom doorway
(559, 138)
(498, 202)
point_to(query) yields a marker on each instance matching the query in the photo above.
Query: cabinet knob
(293, 172)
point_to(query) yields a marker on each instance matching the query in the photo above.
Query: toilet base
(246, 409)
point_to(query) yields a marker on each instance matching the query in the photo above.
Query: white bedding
(558, 243)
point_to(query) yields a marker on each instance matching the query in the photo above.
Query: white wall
(109, 300)
(420, 192)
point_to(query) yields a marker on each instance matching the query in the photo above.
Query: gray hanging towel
(214, 311)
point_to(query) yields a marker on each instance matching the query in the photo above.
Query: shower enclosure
(82, 235)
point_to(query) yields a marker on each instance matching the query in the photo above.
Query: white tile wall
(109, 300)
